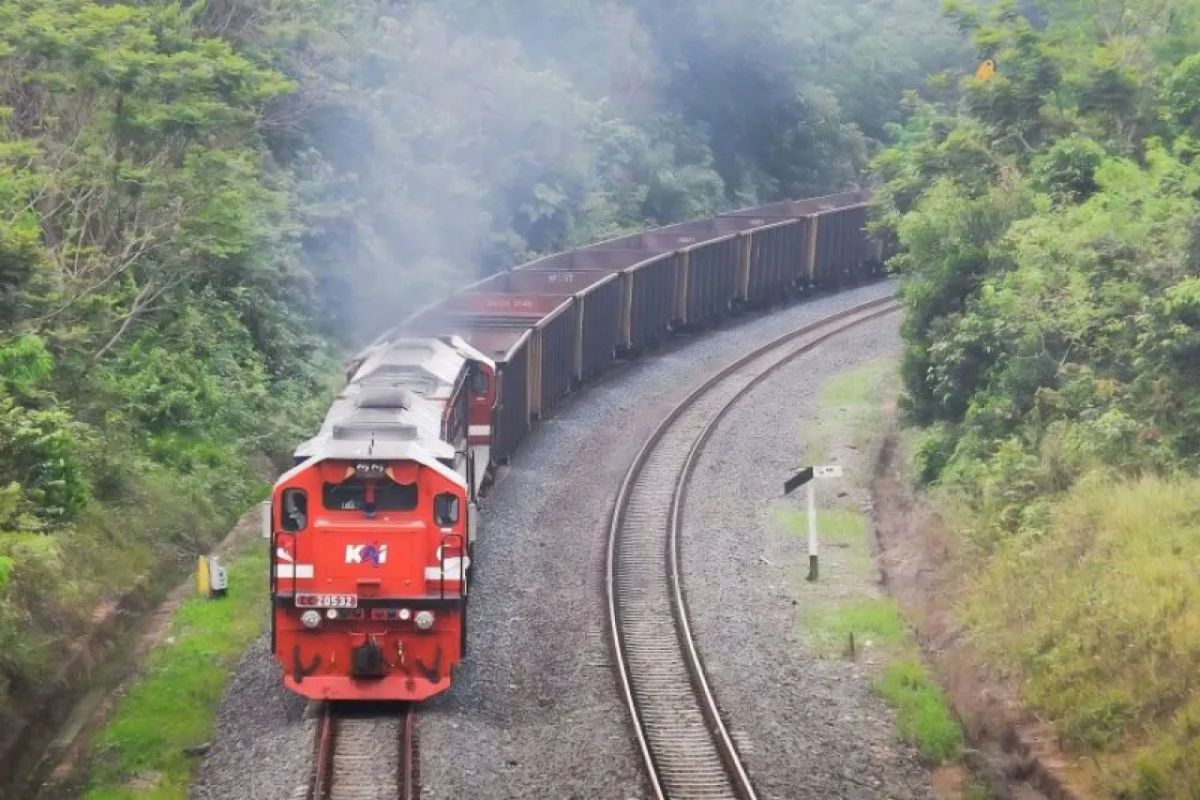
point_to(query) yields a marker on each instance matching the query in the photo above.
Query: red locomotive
(372, 530)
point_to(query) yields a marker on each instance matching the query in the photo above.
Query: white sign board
(827, 471)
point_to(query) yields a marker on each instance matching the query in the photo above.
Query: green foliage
(1181, 95)
(171, 707)
(154, 313)
(24, 364)
(1067, 170)
(923, 716)
(38, 452)
(1051, 268)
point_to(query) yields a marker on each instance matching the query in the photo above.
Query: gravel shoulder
(536, 709)
(806, 723)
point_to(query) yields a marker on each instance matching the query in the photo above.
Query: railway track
(366, 754)
(686, 748)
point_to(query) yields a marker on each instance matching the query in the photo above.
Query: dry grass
(1101, 618)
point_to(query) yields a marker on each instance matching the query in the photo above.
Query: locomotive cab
(369, 575)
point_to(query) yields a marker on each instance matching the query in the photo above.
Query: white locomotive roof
(392, 407)
(426, 364)
(423, 365)
(417, 421)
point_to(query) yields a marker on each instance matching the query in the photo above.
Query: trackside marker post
(202, 582)
(812, 531)
(808, 476)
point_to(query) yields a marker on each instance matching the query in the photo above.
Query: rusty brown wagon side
(832, 241)
(597, 297)
(647, 288)
(706, 274)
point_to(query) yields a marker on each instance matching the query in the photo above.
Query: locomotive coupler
(366, 660)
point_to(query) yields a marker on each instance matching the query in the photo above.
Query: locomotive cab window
(370, 496)
(479, 381)
(445, 509)
(294, 516)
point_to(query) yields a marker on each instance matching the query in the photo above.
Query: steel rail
(353, 772)
(685, 746)
(409, 785)
(324, 756)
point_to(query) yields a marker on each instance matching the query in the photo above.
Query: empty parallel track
(366, 753)
(684, 743)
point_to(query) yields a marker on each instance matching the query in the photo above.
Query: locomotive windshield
(360, 495)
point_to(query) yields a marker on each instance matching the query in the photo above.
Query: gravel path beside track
(536, 711)
(265, 737)
(806, 727)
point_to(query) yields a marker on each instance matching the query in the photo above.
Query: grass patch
(878, 620)
(853, 402)
(1098, 613)
(845, 558)
(875, 622)
(857, 386)
(140, 752)
(837, 526)
(923, 717)
(829, 619)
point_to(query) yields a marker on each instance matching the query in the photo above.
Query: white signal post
(810, 476)
(812, 530)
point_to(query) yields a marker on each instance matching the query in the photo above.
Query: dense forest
(203, 203)
(1050, 219)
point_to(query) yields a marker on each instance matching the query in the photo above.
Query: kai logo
(375, 554)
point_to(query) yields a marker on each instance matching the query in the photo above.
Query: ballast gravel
(536, 710)
(264, 740)
(806, 726)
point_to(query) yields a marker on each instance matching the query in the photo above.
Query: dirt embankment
(43, 745)
(916, 556)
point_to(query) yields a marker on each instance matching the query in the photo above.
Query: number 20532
(326, 601)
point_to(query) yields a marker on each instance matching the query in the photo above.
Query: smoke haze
(443, 141)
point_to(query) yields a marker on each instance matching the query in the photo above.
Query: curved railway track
(366, 754)
(686, 748)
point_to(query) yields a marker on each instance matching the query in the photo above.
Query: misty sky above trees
(436, 140)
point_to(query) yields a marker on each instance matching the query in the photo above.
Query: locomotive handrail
(274, 560)
(462, 555)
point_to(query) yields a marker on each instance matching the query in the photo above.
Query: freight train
(371, 532)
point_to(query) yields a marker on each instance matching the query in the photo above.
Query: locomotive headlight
(311, 618)
(424, 620)
(404, 615)
(332, 613)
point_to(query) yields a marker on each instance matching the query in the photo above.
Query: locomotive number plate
(326, 601)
